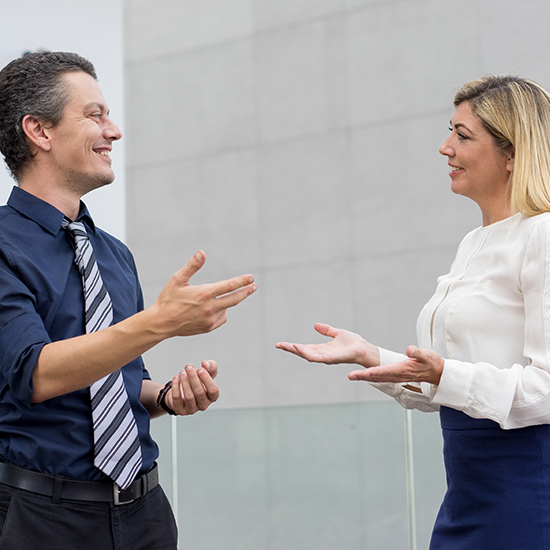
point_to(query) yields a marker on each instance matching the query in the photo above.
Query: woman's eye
(460, 135)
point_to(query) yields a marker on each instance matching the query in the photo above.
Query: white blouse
(490, 320)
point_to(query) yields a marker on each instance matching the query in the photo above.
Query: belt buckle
(116, 496)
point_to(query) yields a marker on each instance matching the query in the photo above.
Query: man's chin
(83, 184)
(97, 184)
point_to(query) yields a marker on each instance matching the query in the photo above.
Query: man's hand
(183, 309)
(193, 390)
(422, 365)
(345, 347)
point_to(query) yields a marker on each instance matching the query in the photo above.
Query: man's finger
(188, 394)
(211, 367)
(177, 398)
(225, 300)
(199, 391)
(227, 288)
(191, 267)
(210, 386)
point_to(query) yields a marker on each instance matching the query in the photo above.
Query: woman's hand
(422, 365)
(345, 347)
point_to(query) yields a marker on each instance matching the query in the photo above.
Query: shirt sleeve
(517, 395)
(22, 335)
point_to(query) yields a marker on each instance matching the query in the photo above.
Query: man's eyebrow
(96, 105)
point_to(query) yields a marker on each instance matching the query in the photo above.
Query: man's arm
(180, 310)
(192, 391)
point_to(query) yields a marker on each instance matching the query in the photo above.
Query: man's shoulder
(7, 217)
(13, 222)
(5, 211)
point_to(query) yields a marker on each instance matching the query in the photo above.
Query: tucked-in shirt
(490, 320)
(41, 301)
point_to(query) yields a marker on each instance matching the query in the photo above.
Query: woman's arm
(397, 375)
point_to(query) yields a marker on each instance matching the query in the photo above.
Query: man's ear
(37, 132)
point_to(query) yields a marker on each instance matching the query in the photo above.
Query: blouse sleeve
(516, 395)
(409, 399)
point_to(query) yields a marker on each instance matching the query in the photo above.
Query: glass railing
(316, 477)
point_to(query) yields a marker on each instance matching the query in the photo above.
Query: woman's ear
(510, 157)
(36, 132)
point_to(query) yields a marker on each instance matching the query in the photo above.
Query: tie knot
(75, 229)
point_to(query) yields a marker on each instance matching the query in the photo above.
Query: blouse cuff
(455, 384)
(388, 357)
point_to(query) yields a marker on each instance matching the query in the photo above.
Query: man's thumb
(192, 266)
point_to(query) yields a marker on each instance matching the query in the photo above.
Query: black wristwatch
(161, 399)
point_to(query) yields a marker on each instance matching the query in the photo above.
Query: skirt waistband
(451, 419)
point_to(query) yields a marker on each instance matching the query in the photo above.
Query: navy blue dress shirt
(41, 301)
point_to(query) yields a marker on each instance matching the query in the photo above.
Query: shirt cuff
(21, 342)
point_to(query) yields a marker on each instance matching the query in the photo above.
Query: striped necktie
(117, 451)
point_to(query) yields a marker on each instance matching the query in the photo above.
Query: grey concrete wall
(298, 140)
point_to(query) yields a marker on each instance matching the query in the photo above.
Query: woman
(483, 359)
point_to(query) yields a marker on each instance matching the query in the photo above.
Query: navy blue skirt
(498, 486)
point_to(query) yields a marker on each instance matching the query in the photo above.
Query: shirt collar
(43, 213)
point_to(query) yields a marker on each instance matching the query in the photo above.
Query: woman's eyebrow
(459, 125)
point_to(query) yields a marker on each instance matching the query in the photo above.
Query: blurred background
(296, 140)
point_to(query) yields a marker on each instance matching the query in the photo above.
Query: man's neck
(48, 191)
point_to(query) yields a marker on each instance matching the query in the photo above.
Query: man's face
(82, 141)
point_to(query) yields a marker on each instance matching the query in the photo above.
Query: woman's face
(478, 169)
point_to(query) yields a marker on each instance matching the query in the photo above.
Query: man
(75, 398)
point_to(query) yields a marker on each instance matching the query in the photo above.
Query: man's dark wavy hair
(32, 85)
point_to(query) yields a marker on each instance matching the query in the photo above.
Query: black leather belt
(60, 487)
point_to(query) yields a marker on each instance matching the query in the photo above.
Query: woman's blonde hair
(516, 112)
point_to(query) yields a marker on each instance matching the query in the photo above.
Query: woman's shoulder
(517, 229)
(532, 234)
(531, 224)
